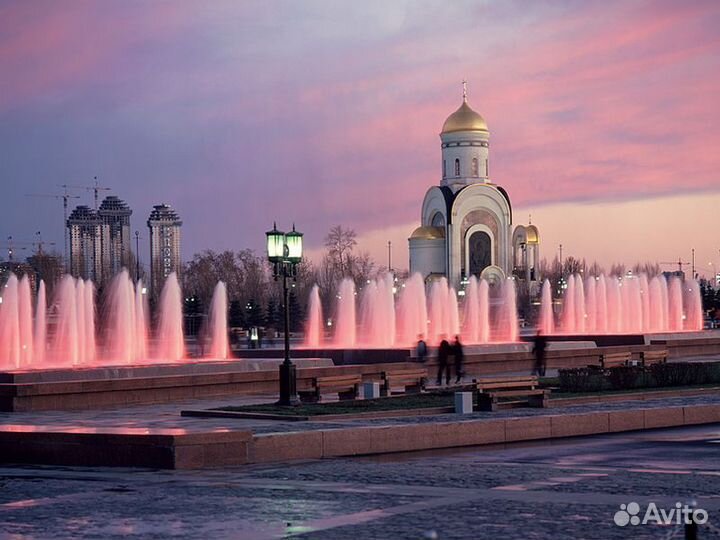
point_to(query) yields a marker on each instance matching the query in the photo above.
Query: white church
(466, 222)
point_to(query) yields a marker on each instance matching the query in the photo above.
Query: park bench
(345, 386)
(654, 357)
(616, 359)
(514, 391)
(403, 380)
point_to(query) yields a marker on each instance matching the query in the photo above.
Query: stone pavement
(560, 489)
(167, 416)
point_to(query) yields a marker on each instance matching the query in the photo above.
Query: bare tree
(340, 243)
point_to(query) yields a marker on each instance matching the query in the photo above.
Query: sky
(603, 117)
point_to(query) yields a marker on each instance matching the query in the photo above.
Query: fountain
(546, 325)
(218, 328)
(71, 337)
(170, 340)
(412, 317)
(345, 330)
(314, 325)
(628, 305)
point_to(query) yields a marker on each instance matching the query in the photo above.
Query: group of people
(445, 351)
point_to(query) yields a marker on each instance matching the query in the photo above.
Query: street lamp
(285, 252)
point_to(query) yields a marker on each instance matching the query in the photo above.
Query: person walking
(443, 356)
(539, 350)
(459, 359)
(421, 349)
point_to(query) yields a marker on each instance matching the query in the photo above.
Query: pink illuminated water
(471, 314)
(10, 324)
(432, 312)
(507, 326)
(40, 335)
(218, 326)
(345, 328)
(170, 340)
(412, 315)
(377, 314)
(314, 326)
(632, 304)
(546, 325)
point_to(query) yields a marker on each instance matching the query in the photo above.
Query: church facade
(466, 226)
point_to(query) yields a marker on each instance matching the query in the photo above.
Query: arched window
(475, 171)
(487, 173)
(457, 167)
(444, 169)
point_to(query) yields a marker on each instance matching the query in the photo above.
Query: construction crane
(95, 188)
(680, 263)
(65, 198)
(39, 243)
(12, 246)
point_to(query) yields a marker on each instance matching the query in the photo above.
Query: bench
(412, 381)
(654, 357)
(617, 359)
(489, 391)
(345, 386)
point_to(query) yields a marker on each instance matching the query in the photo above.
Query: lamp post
(284, 253)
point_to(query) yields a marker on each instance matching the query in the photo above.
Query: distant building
(114, 215)
(85, 244)
(164, 224)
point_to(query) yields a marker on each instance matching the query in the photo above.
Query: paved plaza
(563, 489)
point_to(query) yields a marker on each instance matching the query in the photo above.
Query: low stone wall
(365, 440)
(95, 393)
(698, 345)
(178, 449)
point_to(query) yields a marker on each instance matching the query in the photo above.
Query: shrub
(580, 380)
(626, 377)
(671, 374)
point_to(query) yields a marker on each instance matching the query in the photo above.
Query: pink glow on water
(120, 333)
(633, 304)
(345, 327)
(141, 323)
(453, 312)
(507, 326)
(412, 315)
(546, 325)
(694, 313)
(438, 311)
(377, 313)
(315, 325)
(218, 327)
(590, 305)
(40, 335)
(80, 321)
(65, 339)
(25, 313)
(601, 323)
(471, 312)
(484, 294)
(169, 335)
(568, 316)
(675, 305)
(580, 313)
(10, 325)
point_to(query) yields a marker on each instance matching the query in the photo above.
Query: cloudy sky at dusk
(603, 116)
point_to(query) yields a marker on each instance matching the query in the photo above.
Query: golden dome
(464, 119)
(533, 236)
(428, 233)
